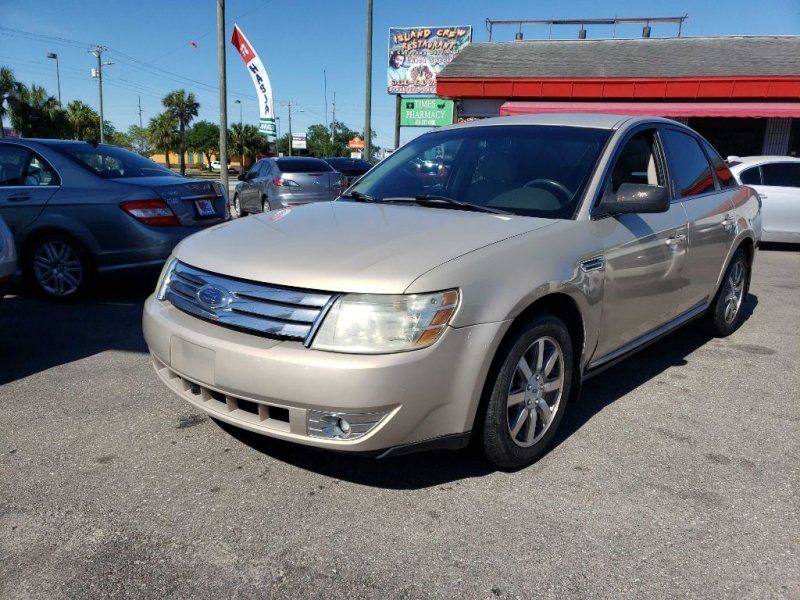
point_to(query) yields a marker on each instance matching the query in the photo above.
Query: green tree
(204, 137)
(246, 141)
(140, 140)
(282, 145)
(183, 107)
(83, 120)
(164, 134)
(8, 85)
(35, 113)
(117, 138)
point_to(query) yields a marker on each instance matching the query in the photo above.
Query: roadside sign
(299, 141)
(426, 112)
(418, 54)
(356, 144)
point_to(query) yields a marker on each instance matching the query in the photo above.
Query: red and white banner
(258, 74)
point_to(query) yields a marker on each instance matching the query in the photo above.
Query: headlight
(165, 278)
(378, 323)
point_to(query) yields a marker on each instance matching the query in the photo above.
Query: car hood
(346, 246)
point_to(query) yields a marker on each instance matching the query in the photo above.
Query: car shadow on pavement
(440, 468)
(38, 334)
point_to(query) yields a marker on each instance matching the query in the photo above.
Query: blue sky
(296, 41)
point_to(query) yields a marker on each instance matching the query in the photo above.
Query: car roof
(737, 163)
(594, 120)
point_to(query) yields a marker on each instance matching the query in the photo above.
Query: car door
(249, 193)
(709, 210)
(780, 199)
(644, 254)
(27, 182)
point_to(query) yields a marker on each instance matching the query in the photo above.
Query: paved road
(676, 475)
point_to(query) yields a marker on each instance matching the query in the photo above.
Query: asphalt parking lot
(675, 475)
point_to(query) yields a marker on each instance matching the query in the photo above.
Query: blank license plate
(204, 208)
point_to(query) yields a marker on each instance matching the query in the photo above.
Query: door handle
(19, 197)
(728, 222)
(675, 239)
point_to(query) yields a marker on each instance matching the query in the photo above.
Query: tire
(236, 208)
(725, 315)
(519, 399)
(58, 267)
(265, 207)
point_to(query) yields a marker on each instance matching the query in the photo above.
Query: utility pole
(290, 128)
(223, 97)
(140, 112)
(333, 122)
(368, 90)
(325, 87)
(98, 52)
(54, 56)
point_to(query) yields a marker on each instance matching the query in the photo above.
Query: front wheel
(529, 395)
(725, 315)
(236, 209)
(59, 267)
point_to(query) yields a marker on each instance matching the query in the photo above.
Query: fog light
(342, 426)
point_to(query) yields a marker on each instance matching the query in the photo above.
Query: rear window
(302, 165)
(724, 175)
(781, 174)
(751, 176)
(349, 164)
(111, 162)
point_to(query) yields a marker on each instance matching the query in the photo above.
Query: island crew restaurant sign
(418, 54)
(261, 82)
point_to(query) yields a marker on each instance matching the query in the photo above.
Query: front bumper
(425, 394)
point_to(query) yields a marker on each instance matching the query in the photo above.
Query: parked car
(77, 209)
(351, 168)
(217, 166)
(8, 259)
(777, 181)
(416, 313)
(273, 183)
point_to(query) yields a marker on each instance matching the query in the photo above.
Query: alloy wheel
(734, 291)
(57, 268)
(535, 391)
(237, 206)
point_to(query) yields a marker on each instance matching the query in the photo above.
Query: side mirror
(242, 177)
(636, 198)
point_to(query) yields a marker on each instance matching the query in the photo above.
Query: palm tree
(184, 108)
(8, 85)
(245, 140)
(163, 135)
(35, 113)
(84, 121)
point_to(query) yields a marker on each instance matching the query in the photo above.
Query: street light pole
(368, 91)
(223, 96)
(290, 128)
(98, 52)
(54, 56)
(239, 102)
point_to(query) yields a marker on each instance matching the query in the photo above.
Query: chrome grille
(253, 307)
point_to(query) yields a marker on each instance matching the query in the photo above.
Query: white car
(217, 167)
(777, 181)
(8, 259)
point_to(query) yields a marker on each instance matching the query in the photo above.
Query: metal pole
(140, 112)
(333, 121)
(325, 87)
(397, 103)
(100, 87)
(368, 90)
(290, 128)
(58, 80)
(223, 97)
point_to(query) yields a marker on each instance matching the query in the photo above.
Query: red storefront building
(741, 93)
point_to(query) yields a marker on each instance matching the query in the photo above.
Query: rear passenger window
(21, 167)
(751, 176)
(688, 165)
(781, 174)
(724, 175)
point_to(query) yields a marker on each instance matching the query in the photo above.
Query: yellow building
(194, 160)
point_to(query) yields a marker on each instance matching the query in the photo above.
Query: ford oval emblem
(213, 296)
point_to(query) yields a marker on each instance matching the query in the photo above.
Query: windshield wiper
(429, 200)
(358, 197)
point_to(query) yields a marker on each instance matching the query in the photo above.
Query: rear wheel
(725, 314)
(265, 207)
(529, 394)
(236, 210)
(59, 267)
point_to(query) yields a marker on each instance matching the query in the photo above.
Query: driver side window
(637, 163)
(253, 172)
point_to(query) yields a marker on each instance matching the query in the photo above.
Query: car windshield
(111, 162)
(302, 165)
(531, 170)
